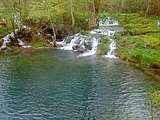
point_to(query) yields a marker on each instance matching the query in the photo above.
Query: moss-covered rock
(103, 45)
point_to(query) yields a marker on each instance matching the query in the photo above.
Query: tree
(51, 22)
(72, 13)
(11, 15)
(153, 7)
(93, 9)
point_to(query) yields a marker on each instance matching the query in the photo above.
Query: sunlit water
(56, 85)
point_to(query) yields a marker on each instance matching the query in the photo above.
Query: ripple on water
(57, 85)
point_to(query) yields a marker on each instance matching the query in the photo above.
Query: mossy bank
(140, 43)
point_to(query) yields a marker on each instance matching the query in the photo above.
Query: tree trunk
(15, 40)
(72, 13)
(62, 13)
(148, 9)
(93, 8)
(122, 5)
(52, 26)
(50, 20)
(158, 7)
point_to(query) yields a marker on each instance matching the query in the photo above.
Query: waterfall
(74, 41)
(7, 39)
(108, 22)
(86, 45)
(93, 50)
(112, 48)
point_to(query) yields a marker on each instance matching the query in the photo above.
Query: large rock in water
(81, 49)
(88, 45)
(75, 47)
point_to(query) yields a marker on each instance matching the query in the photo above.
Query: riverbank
(141, 41)
(139, 44)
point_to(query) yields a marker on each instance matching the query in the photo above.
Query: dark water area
(58, 85)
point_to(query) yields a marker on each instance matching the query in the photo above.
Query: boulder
(81, 49)
(75, 47)
(88, 45)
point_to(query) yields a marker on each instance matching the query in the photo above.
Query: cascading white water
(93, 50)
(7, 39)
(85, 45)
(78, 42)
(108, 22)
(69, 46)
(106, 31)
(103, 31)
(112, 48)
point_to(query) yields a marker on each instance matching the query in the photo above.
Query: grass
(103, 45)
(139, 49)
(141, 43)
(39, 44)
(153, 104)
(137, 23)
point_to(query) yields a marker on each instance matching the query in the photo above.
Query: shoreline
(149, 71)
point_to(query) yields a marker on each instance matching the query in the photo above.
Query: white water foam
(6, 40)
(108, 22)
(93, 50)
(69, 46)
(112, 47)
(103, 31)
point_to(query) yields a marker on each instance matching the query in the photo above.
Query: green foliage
(153, 104)
(83, 32)
(103, 45)
(3, 31)
(145, 7)
(39, 42)
(139, 50)
(1, 10)
(135, 22)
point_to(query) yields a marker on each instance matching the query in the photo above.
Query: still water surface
(56, 85)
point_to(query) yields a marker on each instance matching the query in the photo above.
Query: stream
(58, 85)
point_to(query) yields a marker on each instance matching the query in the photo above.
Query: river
(58, 85)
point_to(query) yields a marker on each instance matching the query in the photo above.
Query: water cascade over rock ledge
(16, 36)
(87, 44)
